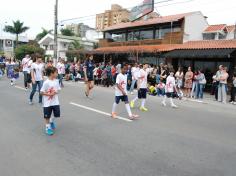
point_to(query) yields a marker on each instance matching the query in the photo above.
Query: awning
(199, 53)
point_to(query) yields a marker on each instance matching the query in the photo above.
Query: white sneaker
(174, 106)
(132, 93)
(163, 104)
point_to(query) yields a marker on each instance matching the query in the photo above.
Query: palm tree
(17, 28)
(43, 33)
(67, 32)
(75, 45)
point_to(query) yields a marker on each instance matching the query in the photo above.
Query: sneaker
(143, 109)
(132, 93)
(234, 103)
(174, 106)
(163, 104)
(113, 115)
(49, 132)
(132, 104)
(133, 117)
(30, 102)
(53, 126)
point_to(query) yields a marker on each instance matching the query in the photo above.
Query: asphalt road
(193, 140)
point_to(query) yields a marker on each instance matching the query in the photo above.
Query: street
(197, 139)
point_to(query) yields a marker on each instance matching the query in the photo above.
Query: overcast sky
(39, 13)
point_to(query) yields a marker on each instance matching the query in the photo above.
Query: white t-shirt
(122, 81)
(135, 73)
(49, 86)
(143, 74)
(61, 68)
(26, 63)
(170, 84)
(38, 71)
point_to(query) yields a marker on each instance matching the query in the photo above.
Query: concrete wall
(195, 24)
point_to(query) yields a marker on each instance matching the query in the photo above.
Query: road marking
(21, 88)
(99, 112)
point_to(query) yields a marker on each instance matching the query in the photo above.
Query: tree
(43, 33)
(17, 28)
(75, 45)
(32, 49)
(67, 32)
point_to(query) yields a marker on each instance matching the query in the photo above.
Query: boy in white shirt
(26, 64)
(170, 89)
(142, 88)
(121, 93)
(49, 91)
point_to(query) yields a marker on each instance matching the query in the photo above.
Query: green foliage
(17, 28)
(75, 45)
(43, 34)
(22, 50)
(67, 32)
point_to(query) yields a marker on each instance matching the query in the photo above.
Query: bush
(31, 49)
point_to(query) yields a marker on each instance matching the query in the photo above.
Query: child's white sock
(135, 99)
(143, 103)
(164, 99)
(114, 107)
(52, 119)
(171, 102)
(128, 109)
(48, 126)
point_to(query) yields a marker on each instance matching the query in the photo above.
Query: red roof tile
(203, 44)
(215, 28)
(157, 20)
(209, 44)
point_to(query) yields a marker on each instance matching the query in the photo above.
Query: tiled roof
(209, 44)
(215, 28)
(231, 28)
(157, 20)
(203, 44)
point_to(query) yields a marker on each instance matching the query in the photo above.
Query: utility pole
(55, 29)
(235, 31)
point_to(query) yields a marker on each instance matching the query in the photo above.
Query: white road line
(21, 88)
(99, 112)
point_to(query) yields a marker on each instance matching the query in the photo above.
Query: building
(7, 44)
(116, 15)
(172, 29)
(174, 39)
(64, 43)
(79, 29)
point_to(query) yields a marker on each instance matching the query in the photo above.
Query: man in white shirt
(61, 71)
(135, 72)
(26, 64)
(142, 87)
(37, 69)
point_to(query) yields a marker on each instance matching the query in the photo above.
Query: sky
(39, 13)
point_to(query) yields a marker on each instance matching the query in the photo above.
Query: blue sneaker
(53, 126)
(49, 132)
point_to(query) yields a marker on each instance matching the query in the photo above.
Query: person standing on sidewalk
(233, 90)
(201, 82)
(26, 64)
(222, 89)
(217, 81)
(61, 71)
(37, 69)
(188, 82)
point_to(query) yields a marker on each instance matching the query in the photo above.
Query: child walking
(142, 88)
(170, 89)
(121, 93)
(49, 91)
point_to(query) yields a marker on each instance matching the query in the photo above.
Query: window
(51, 47)
(146, 34)
(209, 36)
(163, 32)
(222, 36)
(118, 37)
(133, 35)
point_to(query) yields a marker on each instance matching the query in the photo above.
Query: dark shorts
(90, 78)
(170, 95)
(29, 80)
(47, 111)
(121, 98)
(142, 93)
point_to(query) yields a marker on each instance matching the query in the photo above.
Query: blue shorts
(142, 93)
(47, 111)
(121, 98)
